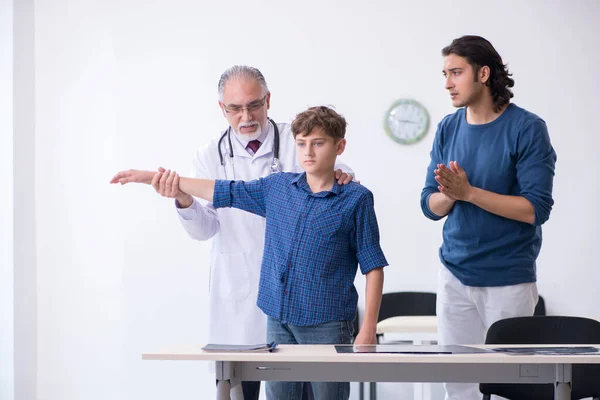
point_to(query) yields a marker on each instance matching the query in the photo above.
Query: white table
(420, 329)
(305, 363)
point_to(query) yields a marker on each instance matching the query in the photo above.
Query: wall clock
(406, 121)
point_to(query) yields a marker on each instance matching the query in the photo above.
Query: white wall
(133, 84)
(80, 241)
(7, 351)
(25, 273)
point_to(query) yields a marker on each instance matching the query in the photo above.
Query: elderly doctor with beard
(253, 146)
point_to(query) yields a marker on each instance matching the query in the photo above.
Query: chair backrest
(540, 307)
(544, 330)
(547, 330)
(406, 304)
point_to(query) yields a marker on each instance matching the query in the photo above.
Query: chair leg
(487, 397)
(361, 390)
(373, 390)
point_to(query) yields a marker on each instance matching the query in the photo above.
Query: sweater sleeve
(431, 185)
(535, 168)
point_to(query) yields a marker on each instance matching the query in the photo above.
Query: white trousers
(465, 313)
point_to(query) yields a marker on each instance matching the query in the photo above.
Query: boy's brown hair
(332, 123)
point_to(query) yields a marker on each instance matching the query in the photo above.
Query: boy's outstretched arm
(166, 181)
(373, 289)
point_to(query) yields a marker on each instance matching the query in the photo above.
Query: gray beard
(249, 136)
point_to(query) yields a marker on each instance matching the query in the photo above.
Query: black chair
(398, 304)
(546, 330)
(540, 307)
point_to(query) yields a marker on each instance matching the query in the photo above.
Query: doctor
(252, 147)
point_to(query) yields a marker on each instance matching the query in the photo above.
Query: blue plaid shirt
(313, 244)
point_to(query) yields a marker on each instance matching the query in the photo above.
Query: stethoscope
(274, 164)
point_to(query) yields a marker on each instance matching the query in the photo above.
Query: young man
(317, 232)
(491, 173)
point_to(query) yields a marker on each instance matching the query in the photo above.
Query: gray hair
(242, 71)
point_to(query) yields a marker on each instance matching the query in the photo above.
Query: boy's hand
(133, 176)
(342, 177)
(366, 336)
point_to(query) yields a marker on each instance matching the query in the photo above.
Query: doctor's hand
(166, 183)
(133, 176)
(366, 336)
(342, 177)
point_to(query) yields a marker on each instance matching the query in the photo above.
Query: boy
(317, 232)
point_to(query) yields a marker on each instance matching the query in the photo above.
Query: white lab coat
(238, 237)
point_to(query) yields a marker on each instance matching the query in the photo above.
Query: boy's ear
(341, 146)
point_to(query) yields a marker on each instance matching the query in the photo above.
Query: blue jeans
(333, 332)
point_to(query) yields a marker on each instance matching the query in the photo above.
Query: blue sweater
(511, 155)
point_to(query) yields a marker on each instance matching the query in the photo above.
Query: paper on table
(410, 349)
(549, 351)
(240, 347)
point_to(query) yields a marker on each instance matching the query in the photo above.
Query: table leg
(562, 391)
(223, 390)
(228, 383)
(562, 386)
(236, 392)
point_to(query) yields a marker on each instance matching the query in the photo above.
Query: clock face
(407, 121)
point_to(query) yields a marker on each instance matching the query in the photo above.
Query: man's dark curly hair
(479, 53)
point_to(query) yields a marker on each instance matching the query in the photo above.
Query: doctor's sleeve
(200, 220)
(431, 185)
(366, 236)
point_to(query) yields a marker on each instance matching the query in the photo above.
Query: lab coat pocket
(230, 277)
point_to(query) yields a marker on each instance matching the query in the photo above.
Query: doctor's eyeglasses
(253, 106)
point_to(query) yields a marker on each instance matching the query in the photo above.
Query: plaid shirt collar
(300, 181)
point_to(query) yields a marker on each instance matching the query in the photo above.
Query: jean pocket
(347, 332)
